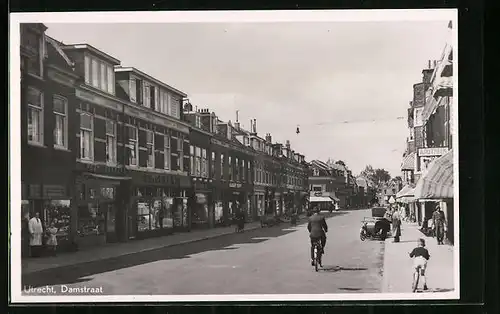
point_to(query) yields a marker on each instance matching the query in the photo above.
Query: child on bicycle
(420, 257)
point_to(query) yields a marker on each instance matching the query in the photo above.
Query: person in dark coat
(439, 221)
(396, 224)
(317, 228)
(382, 226)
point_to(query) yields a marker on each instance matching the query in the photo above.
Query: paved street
(263, 261)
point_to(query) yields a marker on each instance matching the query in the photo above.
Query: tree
(378, 176)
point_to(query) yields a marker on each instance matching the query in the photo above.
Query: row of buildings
(332, 182)
(427, 164)
(110, 153)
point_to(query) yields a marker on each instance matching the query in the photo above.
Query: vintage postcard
(234, 156)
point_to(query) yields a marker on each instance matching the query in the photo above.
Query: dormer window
(99, 74)
(34, 43)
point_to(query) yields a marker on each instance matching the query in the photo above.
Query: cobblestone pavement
(262, 261)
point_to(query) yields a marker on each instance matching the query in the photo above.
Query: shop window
(90, 219)
(86, 137)
(199, 210)
(35, 116)
(58, 213)
(150, 144)
(60, 109)
(219, 213)
(166, 152)
(132, 146)
(110, 142)
(180, 212)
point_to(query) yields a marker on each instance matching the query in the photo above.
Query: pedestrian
(52, 238)
(396, 225)
(439, 222)
(25, 236)
(36, 233)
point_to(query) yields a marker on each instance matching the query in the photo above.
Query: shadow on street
(77, 273)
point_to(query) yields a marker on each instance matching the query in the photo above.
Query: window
(166, 152)
(35, 116)
(236, 169)
(192, 162)
(197, 161)
(222, 166)
(132, 146)
(132, 90)
(230, 164)
(150, 141)
(174, 107)
(212, 166)
(86, 136)
(242, 170)
(95, 73)
(110, 142)
(147, 96)
(138, 91)
(249, 172)
(204, 163)
(180, 153)
(104, 77)
(35, 43)
(87, 69)
(153, 97)
(60, 107)
(111, 79)
(99, 74)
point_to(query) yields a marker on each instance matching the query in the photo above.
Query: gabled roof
(57, 56)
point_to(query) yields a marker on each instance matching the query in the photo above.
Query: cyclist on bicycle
(420, 257)
(317, 228)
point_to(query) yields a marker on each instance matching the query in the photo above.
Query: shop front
(158, 204)
(54, 203)
(201, 203)
(237, 199)
(100, 204)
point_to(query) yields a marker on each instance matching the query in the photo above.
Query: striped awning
(408, 162)
(407, 190)
(437, 182)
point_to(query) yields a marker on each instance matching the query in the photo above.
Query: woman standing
(52, 238)
(396, 224)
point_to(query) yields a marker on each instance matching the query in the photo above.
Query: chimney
(268, 138)
(429, 64)
(255, 126)
(237, 123)
(287, 144)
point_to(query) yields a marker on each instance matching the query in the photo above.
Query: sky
(315, 75)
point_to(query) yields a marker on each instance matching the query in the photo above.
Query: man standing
(439, 222)
(36, 234)
(396, 224)
(317, 228)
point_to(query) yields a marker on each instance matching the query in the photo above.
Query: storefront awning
(407, 190)
(319, 199)
(408, 162)
(437, 182)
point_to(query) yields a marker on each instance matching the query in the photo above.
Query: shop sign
(434, 151)
(235, 185)
(35, 191)
(101, 169)
(161, 179)
(52, 191)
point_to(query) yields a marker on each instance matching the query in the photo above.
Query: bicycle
(317, 254)
(416, 279)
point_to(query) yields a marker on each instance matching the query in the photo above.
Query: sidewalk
(31, 265)
(398, 266)
(106, 251)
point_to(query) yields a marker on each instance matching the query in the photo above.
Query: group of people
(36, 236)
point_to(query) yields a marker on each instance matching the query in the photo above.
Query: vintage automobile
(368, 225)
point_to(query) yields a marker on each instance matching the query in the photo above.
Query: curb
(385, 278)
